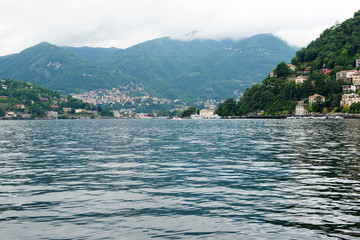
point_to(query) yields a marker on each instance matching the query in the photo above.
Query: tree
(228, 108)
(316, 107)
(282, 70)
(188, 112)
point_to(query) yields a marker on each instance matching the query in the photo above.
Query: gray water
(165, 179)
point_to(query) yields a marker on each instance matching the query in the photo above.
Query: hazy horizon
(123, 24)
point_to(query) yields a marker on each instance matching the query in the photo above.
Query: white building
(356, 78)
(52, 115)
(300, 79)
(292, 67)
(345, 75)
(348, 89)
(80, 110)
(316, 98)
(300, 109)
(206, 113)
(10, 114)
(348, 99)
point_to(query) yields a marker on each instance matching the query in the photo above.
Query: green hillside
(157, 62)
(336, 49)
(231, 70)
(58, 69)
(20, 99)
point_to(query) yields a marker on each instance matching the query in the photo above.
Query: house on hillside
(20, 106)
(300, 79)
(272, 73)
(80, 111)
(357, 62)
(66, 110)
(348, 99)
(292, 67)
(307, 69)
(345, 75)
(325, 71)
(316, 98)
(341, 75)
(10, 114)
(356, 78)
(348, 89)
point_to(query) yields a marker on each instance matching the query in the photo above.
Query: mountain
(335, 50)
(53, 67)
(231, 70)
(201, 68)
(93, 54)
(165, 67)
(158, 61)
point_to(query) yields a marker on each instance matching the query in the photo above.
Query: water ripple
(216, 179)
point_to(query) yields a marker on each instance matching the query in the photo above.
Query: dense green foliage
(283, 70)
(279, 96)
(28, 98)
(336, 48)
(188, 112)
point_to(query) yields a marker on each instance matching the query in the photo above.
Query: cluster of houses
(350, 96)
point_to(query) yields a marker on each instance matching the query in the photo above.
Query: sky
(124, 23)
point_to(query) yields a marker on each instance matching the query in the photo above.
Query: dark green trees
(228, 108)
(188, 112)
(282, 70)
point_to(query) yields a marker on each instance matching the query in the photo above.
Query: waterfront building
(206, 113)
(300, 109)
(348, 99)
(52, 115)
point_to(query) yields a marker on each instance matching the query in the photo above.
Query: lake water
(190, 179)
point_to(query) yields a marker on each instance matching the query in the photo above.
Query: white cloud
(124, 23)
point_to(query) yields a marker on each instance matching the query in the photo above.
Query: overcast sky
(123, 23)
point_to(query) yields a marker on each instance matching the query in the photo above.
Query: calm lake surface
(190, 179)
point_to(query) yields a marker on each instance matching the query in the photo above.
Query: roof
(316, 95)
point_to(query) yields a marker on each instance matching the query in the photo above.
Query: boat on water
(195, 116)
